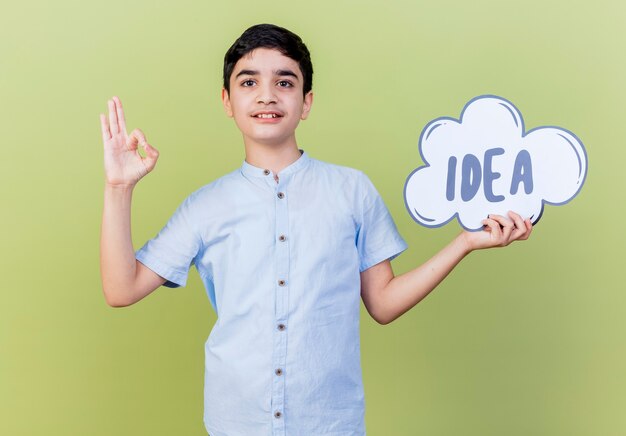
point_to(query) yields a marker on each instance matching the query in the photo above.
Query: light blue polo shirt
(281, 264)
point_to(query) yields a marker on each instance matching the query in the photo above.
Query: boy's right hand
(123, 165)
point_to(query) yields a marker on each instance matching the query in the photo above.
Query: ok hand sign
(123, 165)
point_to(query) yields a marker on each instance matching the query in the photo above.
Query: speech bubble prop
(485, 163)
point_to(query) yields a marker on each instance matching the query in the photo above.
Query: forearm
(387, 297)
(406, 290)
(117, 256)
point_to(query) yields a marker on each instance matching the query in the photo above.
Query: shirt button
(277, 414)
(282, 238)
(279, 371)
(281, 283)
(266, 172)
(281, 327)
(281, 195)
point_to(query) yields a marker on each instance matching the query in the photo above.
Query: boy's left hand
(499, 231)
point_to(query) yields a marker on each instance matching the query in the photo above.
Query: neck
(273, 157)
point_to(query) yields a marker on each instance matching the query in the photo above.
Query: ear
(226, 101)
(306, 105)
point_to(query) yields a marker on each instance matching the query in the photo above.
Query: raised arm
(124, 279)
(387, 297)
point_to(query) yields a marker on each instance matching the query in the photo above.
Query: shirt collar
(252, 171)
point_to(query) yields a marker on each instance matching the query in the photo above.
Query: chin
(269, 137)
(270, 141)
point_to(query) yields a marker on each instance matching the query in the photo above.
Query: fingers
(104, 126)
(117, 122)
(506, 230)
(529, 230)
(137, 137)
(520, 226)
(494, 228)
(152, 154)
(506, 226)
(121, 120)
(114, 127)
(523, 227)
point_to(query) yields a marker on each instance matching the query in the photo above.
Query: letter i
(451, 178)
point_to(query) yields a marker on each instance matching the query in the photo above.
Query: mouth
(267, 115)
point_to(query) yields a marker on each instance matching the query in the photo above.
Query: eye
(247, 83)
(285, 84)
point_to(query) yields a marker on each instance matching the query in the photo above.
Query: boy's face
(266, 98)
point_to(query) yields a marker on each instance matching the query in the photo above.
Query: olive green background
(527, 340)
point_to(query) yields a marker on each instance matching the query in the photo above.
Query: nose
(266, 94)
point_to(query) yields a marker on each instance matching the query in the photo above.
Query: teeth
(266, 116)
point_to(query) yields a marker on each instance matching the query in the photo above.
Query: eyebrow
(276, 73)
(285, 73)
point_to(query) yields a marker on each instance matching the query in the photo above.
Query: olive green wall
(527, 340)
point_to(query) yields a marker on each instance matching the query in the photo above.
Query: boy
(286, 246)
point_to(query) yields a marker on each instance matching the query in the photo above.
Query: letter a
(522, 172)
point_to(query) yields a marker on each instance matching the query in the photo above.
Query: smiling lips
(267, 115)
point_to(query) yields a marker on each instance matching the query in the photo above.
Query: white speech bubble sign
(486, 163)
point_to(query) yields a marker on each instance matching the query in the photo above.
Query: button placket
(281, 304)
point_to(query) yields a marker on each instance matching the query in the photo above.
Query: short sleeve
(377, 238)
(172, 251)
